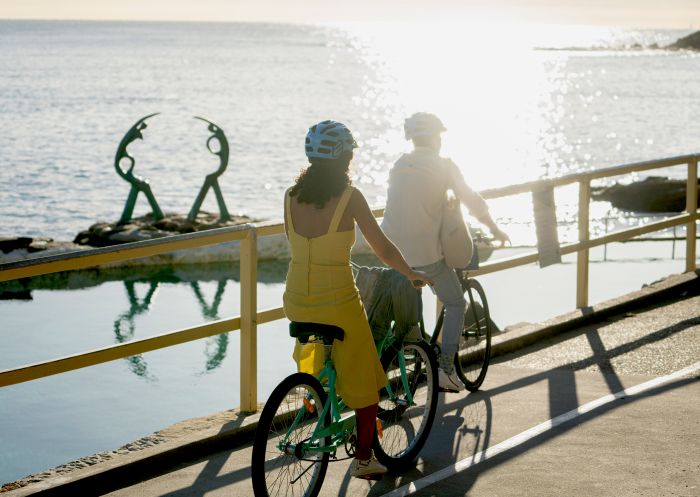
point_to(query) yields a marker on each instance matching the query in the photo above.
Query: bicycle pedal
(447, 390)
(309, 406)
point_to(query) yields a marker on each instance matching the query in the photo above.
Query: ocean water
(520, 103)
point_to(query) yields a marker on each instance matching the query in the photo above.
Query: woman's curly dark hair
(322, 180)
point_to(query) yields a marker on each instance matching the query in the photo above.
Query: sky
(679, 14)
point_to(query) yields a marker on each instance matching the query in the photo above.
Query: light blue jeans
(449, 291)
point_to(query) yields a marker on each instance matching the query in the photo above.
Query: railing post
(691, 205)
(584, 198)
(249, 337)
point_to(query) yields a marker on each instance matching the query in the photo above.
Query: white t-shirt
(417, 187)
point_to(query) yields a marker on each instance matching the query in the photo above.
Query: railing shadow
(471, 425)
(469, 429)
(467, 478)
(562, 391)
(601, 358)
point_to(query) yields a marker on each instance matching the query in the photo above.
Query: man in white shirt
(418, 185)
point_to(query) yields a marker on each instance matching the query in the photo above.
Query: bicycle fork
(408, 401)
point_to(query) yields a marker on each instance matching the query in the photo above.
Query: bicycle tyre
(406, 427)
(277, 471)
(474, 350)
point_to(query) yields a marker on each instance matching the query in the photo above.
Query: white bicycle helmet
(422, 124)
(328, 140)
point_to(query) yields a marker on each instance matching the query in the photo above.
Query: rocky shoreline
(654, 194)
(105, 234)
(690, 42)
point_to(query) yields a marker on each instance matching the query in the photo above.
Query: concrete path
(643, 444)
(544, 423)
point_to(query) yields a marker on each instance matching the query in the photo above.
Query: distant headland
(690, 42)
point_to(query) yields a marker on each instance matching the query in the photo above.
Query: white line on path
(523, 437)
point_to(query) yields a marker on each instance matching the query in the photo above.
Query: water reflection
(215, 349)
(158, 299)
(124, 327)
(149, 291)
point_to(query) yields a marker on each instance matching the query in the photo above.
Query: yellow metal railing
(248, 235)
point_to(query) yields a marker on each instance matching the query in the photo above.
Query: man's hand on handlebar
(501, 236)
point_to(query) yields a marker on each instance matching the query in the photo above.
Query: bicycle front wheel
(474, 353)
(407, 404)
(284, 461)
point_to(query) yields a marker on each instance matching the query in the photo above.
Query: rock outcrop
(270, 248)
(653, 194)
(146, 228)
(690, 42)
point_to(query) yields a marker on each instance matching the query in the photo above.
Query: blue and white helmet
(422, 124)
(328, 140)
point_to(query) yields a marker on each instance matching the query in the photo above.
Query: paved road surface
(645, 444)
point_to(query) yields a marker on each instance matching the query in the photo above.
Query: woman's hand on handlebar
(420, 279)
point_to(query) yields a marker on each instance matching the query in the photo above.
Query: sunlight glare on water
(520, 102)
(496, 95)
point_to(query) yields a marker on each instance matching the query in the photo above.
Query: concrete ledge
(194, 439)
(523, 336)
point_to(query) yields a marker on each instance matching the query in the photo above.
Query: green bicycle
(304, 423)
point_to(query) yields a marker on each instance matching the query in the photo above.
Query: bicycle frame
(340, 428)
(383, 345)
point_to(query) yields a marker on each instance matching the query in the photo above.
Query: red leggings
(366, 424)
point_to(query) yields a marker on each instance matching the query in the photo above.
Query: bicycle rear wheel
(407, 404)
(280, 464)
(474, 353)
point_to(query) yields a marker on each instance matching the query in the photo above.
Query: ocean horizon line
(487, 22)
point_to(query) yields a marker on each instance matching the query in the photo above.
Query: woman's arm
(284, 203)
(381, 245)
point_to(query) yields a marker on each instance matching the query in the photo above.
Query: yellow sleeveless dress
(320, 289)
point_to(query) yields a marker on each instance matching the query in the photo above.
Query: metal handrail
(247, 236)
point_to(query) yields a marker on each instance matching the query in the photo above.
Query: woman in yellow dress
(321, 210)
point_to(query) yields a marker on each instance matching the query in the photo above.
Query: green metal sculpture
(211, 181)
(138, 184)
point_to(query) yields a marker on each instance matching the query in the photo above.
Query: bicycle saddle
(324, 332)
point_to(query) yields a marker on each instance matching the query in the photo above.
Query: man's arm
(475, 203)
(378, 241)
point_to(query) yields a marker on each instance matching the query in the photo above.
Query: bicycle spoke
(475, 341)
(407, 405)
(281, 463)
